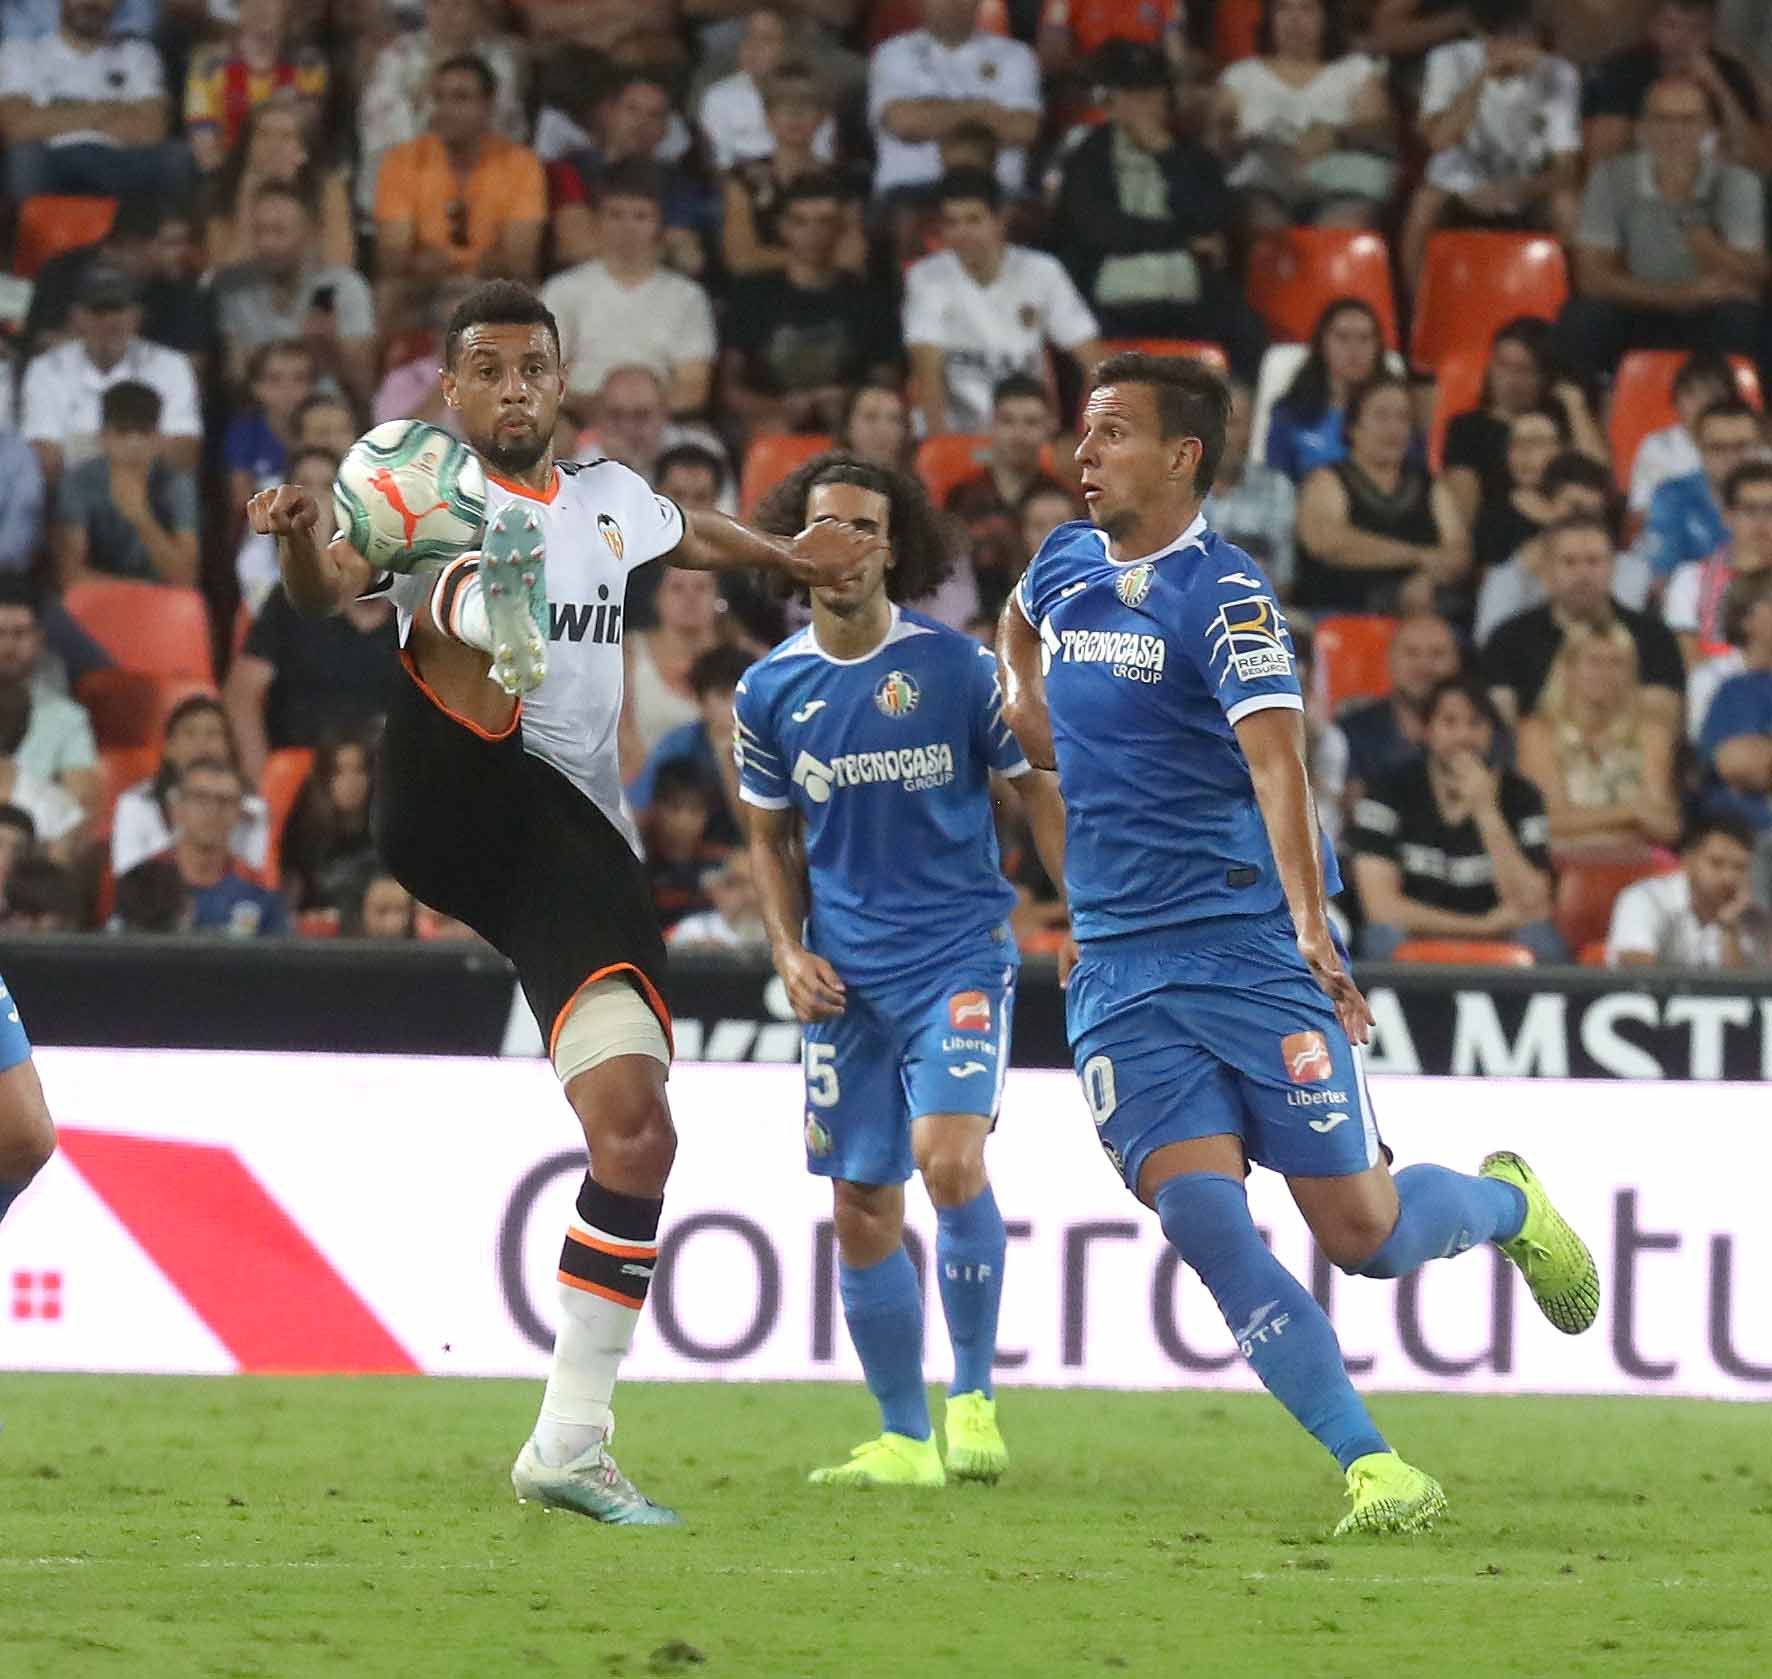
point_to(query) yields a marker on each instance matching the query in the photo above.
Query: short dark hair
(1492, 17)
(1744, 477)
(1572, 468)
(1704, 367)
(17, 589)
(471, 64)
(1731, 407)
(16, 816)
(1744, 593)
(633, 177)
(718, 670)
(129, 405)
(269, 351)
(964, 185)
(689, 454)
(1192, 401)
(1576, 522)
(1023, 386)
(1472, 689)
(38, 885)
(498, 303)
(1704, 825)
(152, 898)
(921, 555)
(139, 216)
(1365, 391)
(680, 778)
(1334, 31)
(815, 183)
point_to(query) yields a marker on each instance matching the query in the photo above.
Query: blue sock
(885, 1317)
(1281, 1330)
(1441, 1214)
(969, 1247)
(10, 1192)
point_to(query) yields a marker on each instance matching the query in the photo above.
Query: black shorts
(478, 828)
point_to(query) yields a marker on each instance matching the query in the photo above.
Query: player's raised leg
(27, 1136)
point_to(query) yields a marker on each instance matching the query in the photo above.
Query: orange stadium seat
(1201, 349)
(1476, 282)
(1643, 400)
(1458, 385)
(1296, 274)
(770, 458)
(942, 462)
(317, 924)
(1236, 24)
(1473, 953)
(50, 224)
(154, 628)
(1587, 889)
(1353, 657)
(130, 708)
(1593, 955)
(286, 772)
(887, 18)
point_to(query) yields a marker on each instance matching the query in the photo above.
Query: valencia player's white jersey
(599, 521)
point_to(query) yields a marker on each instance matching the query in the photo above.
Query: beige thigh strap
(606, 1019)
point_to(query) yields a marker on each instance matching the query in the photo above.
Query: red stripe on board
(242, 1264)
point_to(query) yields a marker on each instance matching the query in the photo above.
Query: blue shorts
(939, 1044)
(14, 1045)
(1223, 1031)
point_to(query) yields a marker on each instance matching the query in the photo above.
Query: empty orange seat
(1353, 657)
(50, 224)
(1236, 28)
(154, 628)
(1472, 953)
(1643, 400)
(1587, 889)
(286, 773)
(1594, 955)
(1201, 349)
(1476, 282)
(770, 458)
(943, 462)
(317, 924)
(1458, 387)
(1294, 275)
(130, 708)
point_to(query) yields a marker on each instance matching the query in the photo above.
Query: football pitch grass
(155, 1528)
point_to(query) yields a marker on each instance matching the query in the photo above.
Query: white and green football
(409, 493)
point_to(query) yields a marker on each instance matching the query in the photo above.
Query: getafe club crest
(818, 1139)
(1132, 586)
(610, 531)
(897, 694)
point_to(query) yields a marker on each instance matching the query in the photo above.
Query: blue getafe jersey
(1148, 664)
(888, 761)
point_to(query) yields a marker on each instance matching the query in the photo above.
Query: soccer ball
(409, 493)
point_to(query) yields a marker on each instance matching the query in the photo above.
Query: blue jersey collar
(1193, 537)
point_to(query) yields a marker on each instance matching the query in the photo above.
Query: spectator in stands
(281, 292)
(278, 146)
(753, 189)
(1449, 847)
(1023, 425)
(695, 478)
(1686, 514)
(63, 387)
(631, 423)
(56, 819)
(626, 308)
(1305, 127)
(706, 744)
(298, 679)
(1385, 734)
(18, 837)
(1251, 503)
(383, 909)
(1670, 249)
(1679, 43)
(141, 826)
(659, 696)
(1692, 606)
(327, 850)
(126, 512)
(926, 82)
(679, 853)
(152, 898)
(1502, 118)
(737, 112)
(395, 107)
(1736, 740)
(327, 421)
(461, 198)
(84, 113)
(734, 920)
(1604, 763)
(225, 898)
(1305, 429)
(1745, 650)
(1375, 533)
(1572, 484)
(21, 499)
(799, 340)
(1505, 523)
(1522, 374)
(46, 735)
(877, 426)
(1578, 580)
(42, 897)
(1703, 915)
(983, 308)
(256, 445)
(255, 561)
(411, 389)
(1703, 379)
(1141, 221)
(28, 20)
(257, 62)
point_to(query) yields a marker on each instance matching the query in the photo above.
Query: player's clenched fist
(815, 992)
(829, 552)
(283, 511)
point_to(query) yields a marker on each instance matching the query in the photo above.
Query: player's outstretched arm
(319, 580)
(820, 555)
(1273, 744)
(1024, 689)
(814, 988)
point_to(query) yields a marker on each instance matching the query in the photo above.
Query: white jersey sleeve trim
(1016, 771)
(1022, 607)
(1263, 702)
(763, 801)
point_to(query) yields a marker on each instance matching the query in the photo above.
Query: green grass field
(307, 1527)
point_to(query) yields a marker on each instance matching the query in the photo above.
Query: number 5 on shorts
(821, 1075)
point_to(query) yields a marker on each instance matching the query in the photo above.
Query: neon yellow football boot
(975, 1446)
(1554, 1261)
(892, 1460)
(1389, 1497)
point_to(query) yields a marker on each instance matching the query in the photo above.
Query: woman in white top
(1303, 125)
(197, 728)
(658, 696)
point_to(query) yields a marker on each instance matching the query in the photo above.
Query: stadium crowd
(1489, 281)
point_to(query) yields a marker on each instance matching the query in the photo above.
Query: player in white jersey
(506, 812)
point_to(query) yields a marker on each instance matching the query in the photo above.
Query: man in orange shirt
(461, 199)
